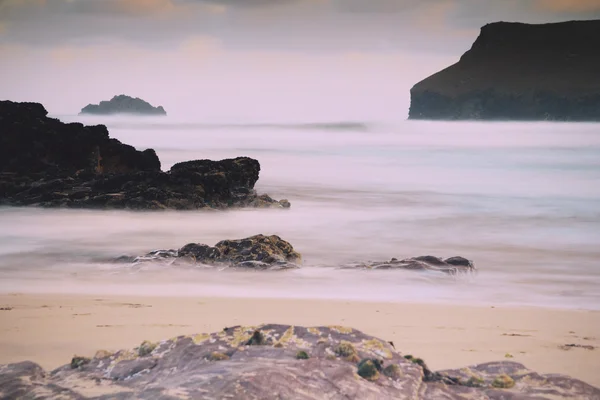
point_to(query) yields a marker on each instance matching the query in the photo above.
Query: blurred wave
(154, 124)
(519, 199)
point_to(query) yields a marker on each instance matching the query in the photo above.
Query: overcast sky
(244, 58)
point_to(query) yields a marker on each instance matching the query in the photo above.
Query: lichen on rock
(257, 339)
(347, 351)
(393, 371)
(217, 356)
(102, 354)
(377, 347)
(200, 338)
(503, 381)
(78, 361)
(369, 369)
(146, 348)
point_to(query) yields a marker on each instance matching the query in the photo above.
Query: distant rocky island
(123, 104)
(47, 163)
(522, 72)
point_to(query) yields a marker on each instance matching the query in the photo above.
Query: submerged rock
(257, 252)
(229, 364)
(123, 104)
(452, 265)
(45, 162)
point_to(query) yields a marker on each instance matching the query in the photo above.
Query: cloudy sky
(246, 58)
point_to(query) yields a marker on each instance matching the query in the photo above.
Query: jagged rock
(123, 104)
(518, 71)
(48, 163)
(231, 364)
(30, 142)
(257, 252)
(452, 265)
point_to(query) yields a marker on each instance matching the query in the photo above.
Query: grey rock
(452, 266)
(231, 364)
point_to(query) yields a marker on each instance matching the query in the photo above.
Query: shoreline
(213, 294)
(445, 336)
(305, 284)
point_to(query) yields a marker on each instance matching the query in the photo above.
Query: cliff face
(519, 71)
(123, 104)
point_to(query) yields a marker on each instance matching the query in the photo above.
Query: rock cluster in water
(45, 162)
(261, 252)
(519, 72)
(279, 362)
(123, 104)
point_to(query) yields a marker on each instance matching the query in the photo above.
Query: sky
(246, 59)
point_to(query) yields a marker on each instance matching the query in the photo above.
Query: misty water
(520, 200)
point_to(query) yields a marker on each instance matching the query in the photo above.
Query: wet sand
(50, 329)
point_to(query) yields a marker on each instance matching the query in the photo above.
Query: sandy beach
(50, 329)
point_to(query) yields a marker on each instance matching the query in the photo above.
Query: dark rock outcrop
(30, 143)
(263, 363)
(452, 265)
(257, 252)
(48, 163)
(123, 104)
(521, 72)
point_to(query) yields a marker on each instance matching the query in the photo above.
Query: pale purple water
(521, 200)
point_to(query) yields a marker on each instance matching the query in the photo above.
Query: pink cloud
(570, 6)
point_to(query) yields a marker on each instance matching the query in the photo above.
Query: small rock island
(519, 72)
(123, 104)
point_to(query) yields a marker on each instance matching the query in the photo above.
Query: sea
(521, 200)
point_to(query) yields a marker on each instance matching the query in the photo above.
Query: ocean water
(522, 200)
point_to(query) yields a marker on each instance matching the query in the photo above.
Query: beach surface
(50, 328)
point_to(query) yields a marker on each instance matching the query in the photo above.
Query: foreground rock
(521, 72)
(256, 252)
(122, 104)
(45, 162)
(278, 362)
